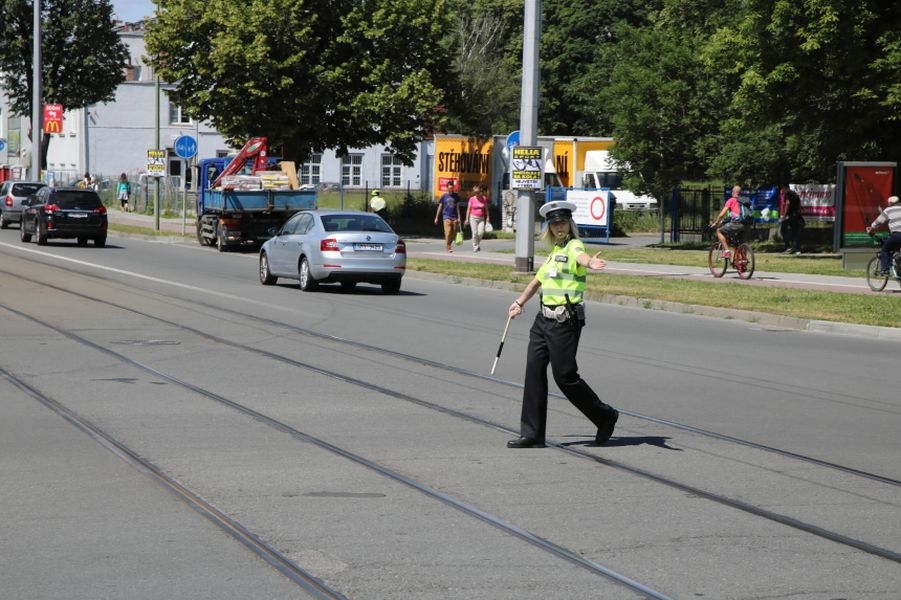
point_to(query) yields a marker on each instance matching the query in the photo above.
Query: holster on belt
(574, 313)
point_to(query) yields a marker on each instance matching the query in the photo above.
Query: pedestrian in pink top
(477, 216)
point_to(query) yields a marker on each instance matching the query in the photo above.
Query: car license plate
(78, 215)
(368, 247)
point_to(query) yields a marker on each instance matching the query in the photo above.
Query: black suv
(64, 212)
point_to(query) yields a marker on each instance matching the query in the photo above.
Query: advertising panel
(526, 172)
(862, 190)
(462, 160)
(817, 201)
(53, 118)
(156, 163)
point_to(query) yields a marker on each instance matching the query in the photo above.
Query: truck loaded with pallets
(238, 207)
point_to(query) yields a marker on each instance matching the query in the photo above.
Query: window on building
(311, 170)
(352, 170)
(176, 116)
(132, 71)
(392, 168)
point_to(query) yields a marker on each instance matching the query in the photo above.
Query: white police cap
(557, 210)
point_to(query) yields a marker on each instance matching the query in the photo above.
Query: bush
(635, 221)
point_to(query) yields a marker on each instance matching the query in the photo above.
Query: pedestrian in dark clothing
(449, 212)
(790, 220)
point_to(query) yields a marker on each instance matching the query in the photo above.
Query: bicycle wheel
(743, 261)
(876, 279)
(715, 260)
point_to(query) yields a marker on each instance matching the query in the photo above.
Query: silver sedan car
(335, 246)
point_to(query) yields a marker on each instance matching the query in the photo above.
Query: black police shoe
(524, 442)
(604, 433)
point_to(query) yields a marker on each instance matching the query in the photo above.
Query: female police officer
(554, 337)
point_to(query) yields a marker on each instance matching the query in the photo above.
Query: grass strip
(878, 309)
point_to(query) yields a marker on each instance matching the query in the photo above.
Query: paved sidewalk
(503, 252)
(173, 225)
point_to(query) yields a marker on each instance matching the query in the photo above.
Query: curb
(766, 320)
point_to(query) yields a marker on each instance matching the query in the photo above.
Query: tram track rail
(284, 333)
(278, 561)
(235, 529)
(721, 499)
(444, 367)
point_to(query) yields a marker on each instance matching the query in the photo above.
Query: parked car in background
(333, 246)
(64, 212)
(12, 193)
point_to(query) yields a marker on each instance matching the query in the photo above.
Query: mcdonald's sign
(53, 118)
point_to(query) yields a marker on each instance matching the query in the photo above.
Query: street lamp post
(528, 124)
(37, 127)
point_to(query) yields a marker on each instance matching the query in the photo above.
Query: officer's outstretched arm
(595, 262)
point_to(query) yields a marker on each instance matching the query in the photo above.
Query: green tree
(661, 110)
(578, 54)
(82, 58)
(816, 82)
(483, 93)
(309, 75)
(759, 91)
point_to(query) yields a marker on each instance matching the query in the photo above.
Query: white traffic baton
(501, 347)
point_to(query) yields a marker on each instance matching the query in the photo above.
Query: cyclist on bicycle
(733, 225)
(892, 214)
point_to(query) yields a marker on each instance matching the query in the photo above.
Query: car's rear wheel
(3, 222)
(307, 281)
(25, 237)
(100, 242)
(266, 276)
(391, 287)
(42, 234)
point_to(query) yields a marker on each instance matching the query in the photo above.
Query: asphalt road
(171, 428)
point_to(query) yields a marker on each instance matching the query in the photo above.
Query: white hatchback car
(335, 246)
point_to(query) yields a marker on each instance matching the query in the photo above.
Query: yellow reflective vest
(561, 275)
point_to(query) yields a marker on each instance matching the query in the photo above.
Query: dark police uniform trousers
(556, 343)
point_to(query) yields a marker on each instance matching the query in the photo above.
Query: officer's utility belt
(561, 314)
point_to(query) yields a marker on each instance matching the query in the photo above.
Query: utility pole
(528, 125)
(156, 199)
(37, 124)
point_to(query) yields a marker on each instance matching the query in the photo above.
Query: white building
(113, 138)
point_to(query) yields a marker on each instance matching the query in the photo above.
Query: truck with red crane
(241, 199)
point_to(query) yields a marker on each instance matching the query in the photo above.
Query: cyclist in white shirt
(892, 215)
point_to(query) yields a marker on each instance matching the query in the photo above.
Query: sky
(132, 10)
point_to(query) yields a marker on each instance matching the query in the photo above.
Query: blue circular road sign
(185, 146)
